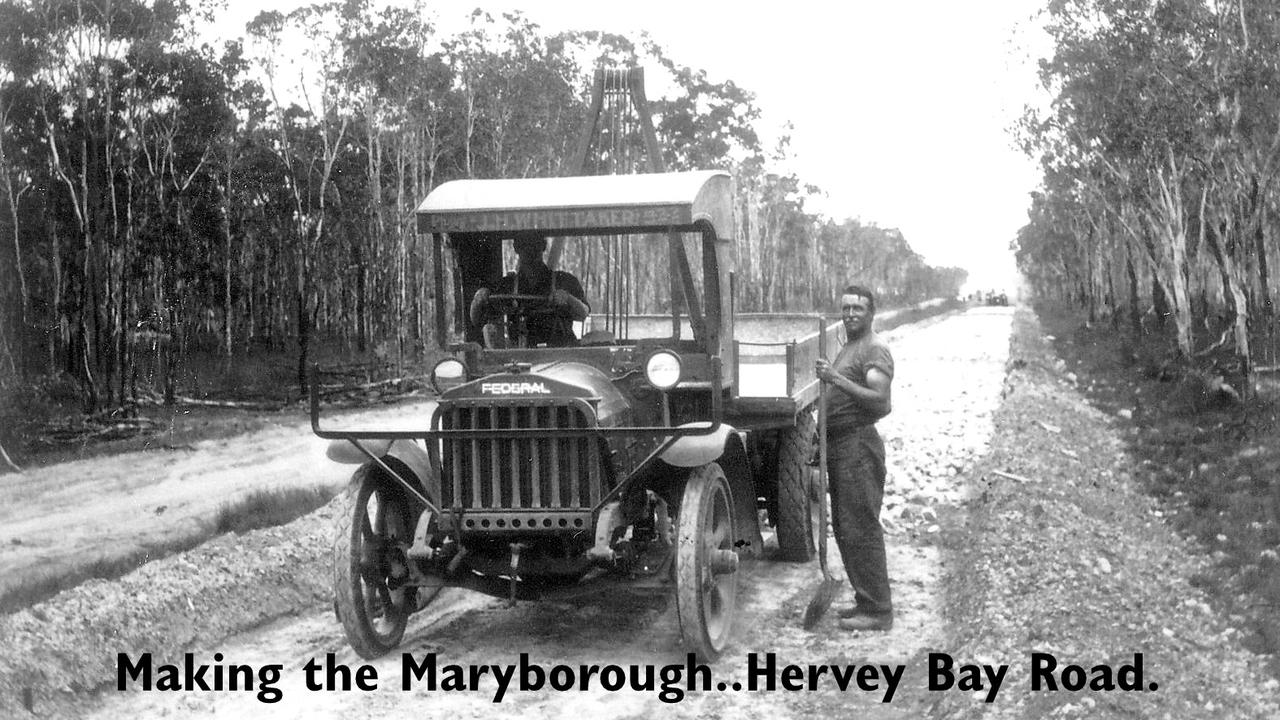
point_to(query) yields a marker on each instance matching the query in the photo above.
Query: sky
(900, 111)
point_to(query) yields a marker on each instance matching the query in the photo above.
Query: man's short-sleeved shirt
(853, 362)
(546, 327)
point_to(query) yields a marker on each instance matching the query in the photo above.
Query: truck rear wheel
(798, 494)
(370, 565)
(706, 562)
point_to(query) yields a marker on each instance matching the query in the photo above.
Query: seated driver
(550, 324)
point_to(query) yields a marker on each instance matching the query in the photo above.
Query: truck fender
(727, 447)
(408, 453)
(693, 451)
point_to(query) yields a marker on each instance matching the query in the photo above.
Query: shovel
(830, 586)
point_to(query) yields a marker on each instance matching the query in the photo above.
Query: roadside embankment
(1059, 551)
(70, 643)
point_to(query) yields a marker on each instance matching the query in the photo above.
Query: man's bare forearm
(577, 308)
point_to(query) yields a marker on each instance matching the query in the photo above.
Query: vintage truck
(649, 453)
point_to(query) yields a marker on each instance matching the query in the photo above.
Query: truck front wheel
(706, 562)
(370, 565)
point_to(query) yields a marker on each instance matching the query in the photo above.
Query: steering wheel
(517, 304)
(519, 308)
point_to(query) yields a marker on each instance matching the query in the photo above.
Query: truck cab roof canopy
(580, 205)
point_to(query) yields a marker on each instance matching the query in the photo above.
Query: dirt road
(61, 517)
(939, 424)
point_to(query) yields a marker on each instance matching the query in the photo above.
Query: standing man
(858, 395)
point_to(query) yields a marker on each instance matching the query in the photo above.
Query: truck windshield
(631, 286)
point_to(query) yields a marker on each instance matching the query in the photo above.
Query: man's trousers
(856, 470)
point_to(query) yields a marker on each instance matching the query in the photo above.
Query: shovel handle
(823, 481)
(822, 400)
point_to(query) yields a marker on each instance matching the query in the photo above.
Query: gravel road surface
(62, 655)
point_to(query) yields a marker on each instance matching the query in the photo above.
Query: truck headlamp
(663, 369)
(448, 373)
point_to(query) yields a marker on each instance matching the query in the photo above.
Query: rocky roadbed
(1041, 542)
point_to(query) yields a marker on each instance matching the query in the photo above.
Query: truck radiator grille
(530, 473)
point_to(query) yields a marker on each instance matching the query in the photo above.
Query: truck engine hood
(559, 379)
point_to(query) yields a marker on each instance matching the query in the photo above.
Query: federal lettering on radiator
(514, 388)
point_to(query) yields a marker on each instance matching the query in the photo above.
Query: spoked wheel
(706, 563)
(370, 564)
(798, 492)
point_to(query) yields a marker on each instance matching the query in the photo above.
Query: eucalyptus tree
(382, 50)
(1246, 75)
(1164, 128)
(16, 163)
(521, 95)
(705, 122)
(1237, 205)
(93, 84)
(310, 137)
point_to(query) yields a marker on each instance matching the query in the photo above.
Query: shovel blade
(821, 602)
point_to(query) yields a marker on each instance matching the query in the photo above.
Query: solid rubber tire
(705, 602)
(371, 631)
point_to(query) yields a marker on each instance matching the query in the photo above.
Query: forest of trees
(163, 194)
(1160, 154)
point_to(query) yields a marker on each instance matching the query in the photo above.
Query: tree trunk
(1111, 301)
(304, 337)
(362, 290)
(87, 305)
(226, 254)
(1264, 279)
(1233, 291)
(1086, 288)
(1135, 307)
(14, 198)
(1160, 302)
